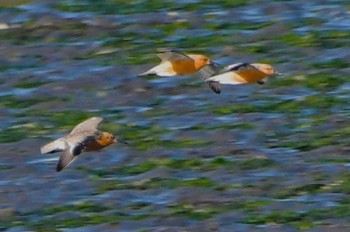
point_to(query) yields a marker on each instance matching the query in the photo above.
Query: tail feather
(152, 71)
(147, 73)
(164, 69)
(55, 146)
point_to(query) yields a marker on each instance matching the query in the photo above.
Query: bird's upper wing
(241, 68)
(171, 55)
(248, 72)
(75, 145)
(88, 125)
(211, 70)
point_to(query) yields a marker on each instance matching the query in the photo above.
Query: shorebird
(174, 63)
(84, 137)
(235, 74)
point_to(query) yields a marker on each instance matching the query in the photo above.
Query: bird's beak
(277, 73)
(214, 63)
(122, 141)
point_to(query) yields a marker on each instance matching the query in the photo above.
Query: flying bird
(175, 63)
(84, 137)
(235, 74)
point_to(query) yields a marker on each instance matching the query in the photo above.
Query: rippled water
(254, 158)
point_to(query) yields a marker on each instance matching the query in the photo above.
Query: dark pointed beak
(122, 141)
(214, 63)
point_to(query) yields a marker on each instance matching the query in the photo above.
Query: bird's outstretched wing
(208, 71)
(242, 68)
(75, 145)
(65, 159)
(172, 55)
(89, 125)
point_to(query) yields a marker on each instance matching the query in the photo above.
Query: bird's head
(105, 138)
(200, 60)
(266, 68)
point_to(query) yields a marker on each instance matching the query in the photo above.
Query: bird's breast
(183, 67)
(93, 146)
(251, 76)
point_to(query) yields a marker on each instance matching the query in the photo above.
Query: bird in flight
(235, 74)
(174, 63)
(84, 137)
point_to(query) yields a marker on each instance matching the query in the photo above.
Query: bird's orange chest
(183, 67)
(93, 146)
(98, 144)
(252, 76)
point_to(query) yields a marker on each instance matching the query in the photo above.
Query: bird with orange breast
(84, 137)
(174, 63)
(235, 74)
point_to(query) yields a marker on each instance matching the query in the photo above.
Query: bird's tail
(148, 73)
(55, 146)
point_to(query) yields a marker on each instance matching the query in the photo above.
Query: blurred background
(254, 158)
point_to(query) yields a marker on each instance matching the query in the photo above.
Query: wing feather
(70, 154)
(89, 125)
(172, 55)
(206, 72)
(65, 159)
(241, 68)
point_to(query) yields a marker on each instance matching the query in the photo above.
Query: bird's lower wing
(206, 72)
(215, 86)
(65, 159)
(69, 155)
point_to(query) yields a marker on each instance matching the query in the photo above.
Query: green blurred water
(254, 158)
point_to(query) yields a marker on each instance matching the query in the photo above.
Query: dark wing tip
(59, 167)
(64, 161)
(215, 86)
